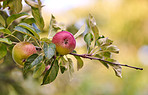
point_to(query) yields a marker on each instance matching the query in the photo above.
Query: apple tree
(46, 57)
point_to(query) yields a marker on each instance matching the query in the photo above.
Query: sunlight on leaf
(117, 69)
(92, 24)
(49, 50)
(6, 40)
(71, 68)
(30, 28)
(104, 42)
(81, 30)
(5, 31)
(79, 62)
(53, 27)
(32, 3)
(113, 48)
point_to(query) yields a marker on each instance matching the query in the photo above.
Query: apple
(21, 51)
(64, 41)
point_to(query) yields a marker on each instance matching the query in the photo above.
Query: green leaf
(24, 31)
(112, 48)
(105, 64)
(92, 24)
(49, 50)
(5, 3)
(63, 64)
(117, 68)
(28, 62)
(32, 61)
(88, 38)
(2, 21)
(63, 61)
(105, 54)
(53, 27)
(81, 30)
(30, 28)
(99, 56)
(3, 50)
(104, 42)
(6, 40)
(32, 3)
(38, 17)
(15, 6)
(46, 40)
(5, 31)
(4, 14)
(13, 17)
(38, 71)
(28, 20)
(79, 62)
(52, 73)
(71, 68)
(102, 57)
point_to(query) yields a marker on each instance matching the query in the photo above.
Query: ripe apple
(64, 41)
(21, 51)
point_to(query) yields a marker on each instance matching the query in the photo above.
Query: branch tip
(89, 57)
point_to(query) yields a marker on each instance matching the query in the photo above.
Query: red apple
(21, 51)
(64, 41)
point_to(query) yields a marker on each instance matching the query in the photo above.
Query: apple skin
(64, 41)
(21, 51)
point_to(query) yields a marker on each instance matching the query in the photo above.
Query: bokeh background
(123, 21)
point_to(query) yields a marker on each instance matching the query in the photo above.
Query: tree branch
(89, 57)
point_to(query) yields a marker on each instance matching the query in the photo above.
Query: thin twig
(16, 38)
(14, 43)
(9, 34)
(85, 56)
(2, 35)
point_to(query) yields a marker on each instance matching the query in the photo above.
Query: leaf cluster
(47, 62)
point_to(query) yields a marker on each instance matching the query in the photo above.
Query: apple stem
(38, 48)
(88, 56)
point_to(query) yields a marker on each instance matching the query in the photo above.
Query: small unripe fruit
(21, 51)
(65, 42)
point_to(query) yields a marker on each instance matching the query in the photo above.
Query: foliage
(99, 47)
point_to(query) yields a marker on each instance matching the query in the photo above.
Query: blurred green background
(123, 21)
